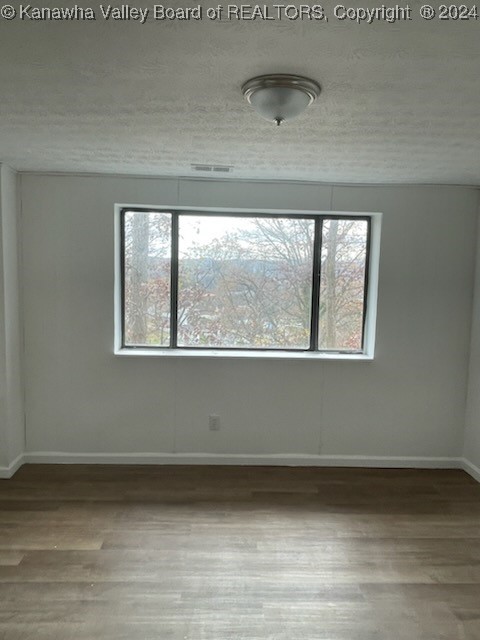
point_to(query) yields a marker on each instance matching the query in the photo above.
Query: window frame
(366, 352)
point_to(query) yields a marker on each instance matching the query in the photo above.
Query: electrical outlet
(214, 422)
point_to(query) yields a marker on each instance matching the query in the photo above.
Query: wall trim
(282, 459)
(471, 469)
(13, 467)
(274, 459)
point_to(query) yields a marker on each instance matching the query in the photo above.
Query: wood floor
(217, 553)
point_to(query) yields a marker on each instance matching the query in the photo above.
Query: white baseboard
(471, 469)
(293, 460)
(13, 467)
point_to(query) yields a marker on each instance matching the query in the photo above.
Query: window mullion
(317, 259)
(365, 280)
(174, 283)
(122, 269)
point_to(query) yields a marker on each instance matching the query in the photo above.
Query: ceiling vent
(212, 168)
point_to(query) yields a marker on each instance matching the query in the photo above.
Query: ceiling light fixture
(279, 96)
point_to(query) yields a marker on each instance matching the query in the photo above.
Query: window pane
(147, 277)
(344, 255)
(245, 282)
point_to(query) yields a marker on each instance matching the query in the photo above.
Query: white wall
(472, 424)
(410, 401)
(12, 432)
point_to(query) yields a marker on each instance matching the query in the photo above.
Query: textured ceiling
(400, 102)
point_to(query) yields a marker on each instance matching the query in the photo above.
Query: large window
(194, 280)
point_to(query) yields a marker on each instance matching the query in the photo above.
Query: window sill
(256, 355)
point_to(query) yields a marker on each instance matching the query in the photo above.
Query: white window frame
(371, 298)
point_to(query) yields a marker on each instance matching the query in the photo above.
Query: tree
(344, 244)
(147, 277)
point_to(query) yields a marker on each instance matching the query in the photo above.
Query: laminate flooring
(243, 553)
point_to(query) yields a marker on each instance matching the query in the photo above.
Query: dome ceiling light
(279, 97)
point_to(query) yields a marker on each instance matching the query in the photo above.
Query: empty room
(239, 321)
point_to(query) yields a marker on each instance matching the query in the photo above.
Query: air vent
(213, 168)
